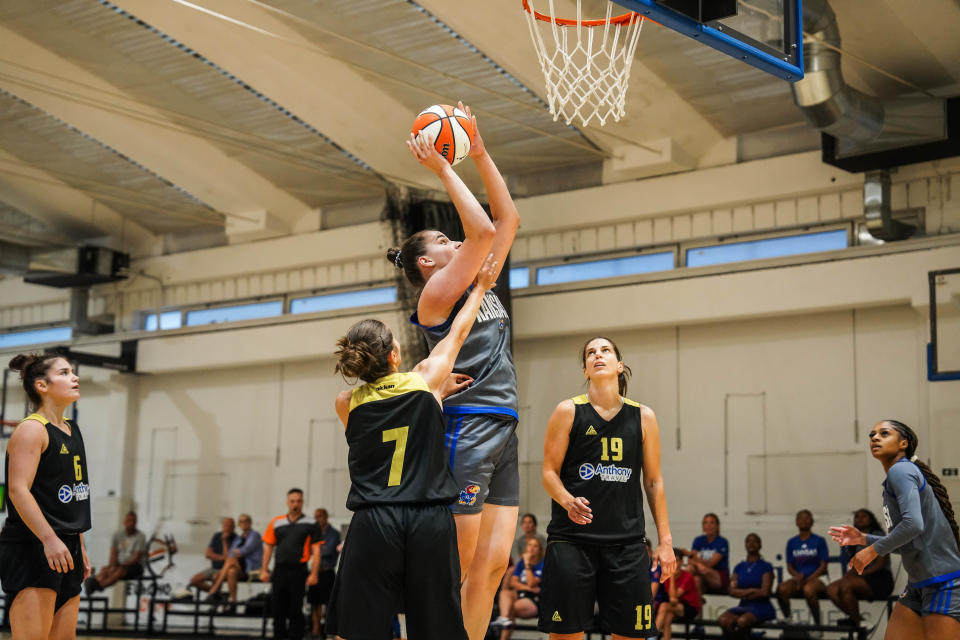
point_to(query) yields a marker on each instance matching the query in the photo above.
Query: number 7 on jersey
(399, 436)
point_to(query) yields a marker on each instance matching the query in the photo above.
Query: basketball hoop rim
(627, 18)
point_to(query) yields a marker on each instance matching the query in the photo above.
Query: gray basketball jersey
(917, 528)
(485, 357)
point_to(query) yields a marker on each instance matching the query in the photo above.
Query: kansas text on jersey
(603, 464)
(485, 356)
(60, 486)
(396, 438)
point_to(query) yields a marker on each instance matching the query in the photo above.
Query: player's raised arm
(506, 218)
(436, 368)
(450, 280)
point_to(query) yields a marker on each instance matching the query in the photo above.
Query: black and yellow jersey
(603, 464)
(61, 485)
(396, 438)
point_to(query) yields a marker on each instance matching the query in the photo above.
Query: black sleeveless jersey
(396, 438)
(60, 486)
(603, 464)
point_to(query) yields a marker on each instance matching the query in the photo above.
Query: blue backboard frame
(785, 66)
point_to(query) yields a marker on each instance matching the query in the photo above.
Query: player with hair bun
(481, 419)
(921, 527)
(43, 560)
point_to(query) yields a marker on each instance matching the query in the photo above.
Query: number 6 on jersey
(398, 435)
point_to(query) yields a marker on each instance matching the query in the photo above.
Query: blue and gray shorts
(483, 457)
(942, 598)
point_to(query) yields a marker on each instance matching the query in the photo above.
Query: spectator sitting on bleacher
(876, 581)
(710, 557)
(522, 598)
(528, 529)
(216, 553)
(655, 572)
(128, 556)
(679, 600)
(752, 582)
(244, 560)
(806, 559)
(319, 594)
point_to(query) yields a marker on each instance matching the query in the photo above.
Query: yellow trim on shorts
(389, 386)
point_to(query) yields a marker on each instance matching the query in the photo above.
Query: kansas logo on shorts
(469, 494)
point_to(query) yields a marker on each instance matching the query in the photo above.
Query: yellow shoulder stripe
(389, 386)
(39, 418)
(630, 402)
(581, 399)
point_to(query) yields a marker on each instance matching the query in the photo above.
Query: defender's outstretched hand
(487, 276)
(846, 535)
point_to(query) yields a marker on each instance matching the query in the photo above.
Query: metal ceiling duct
(860, 123)
(833, 107)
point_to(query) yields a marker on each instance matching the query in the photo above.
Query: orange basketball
(450, 129)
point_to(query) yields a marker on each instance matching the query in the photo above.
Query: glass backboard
(767, 34)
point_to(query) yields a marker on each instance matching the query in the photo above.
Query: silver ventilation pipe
(861, 123)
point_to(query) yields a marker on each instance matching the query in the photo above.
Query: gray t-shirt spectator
(520, 545)
(127, 546)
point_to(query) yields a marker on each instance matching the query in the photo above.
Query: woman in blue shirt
(922, 529)
(752, 581)
(710, 557)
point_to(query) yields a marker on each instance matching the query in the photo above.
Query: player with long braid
(921, 527)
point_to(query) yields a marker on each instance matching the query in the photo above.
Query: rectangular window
(36, 336)
(768, 248)
(519, 277)
(632, 265)
(234, 313)
(163, 321)
(345, 300)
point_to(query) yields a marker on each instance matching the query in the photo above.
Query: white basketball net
(586, 68)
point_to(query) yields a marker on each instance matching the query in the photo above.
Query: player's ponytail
(363, 352)
(405, 257)
(933, 479)
(624, 376)
(32, 367)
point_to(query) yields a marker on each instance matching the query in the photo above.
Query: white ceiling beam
(68, 211)
(332, 96)
(186, 160)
